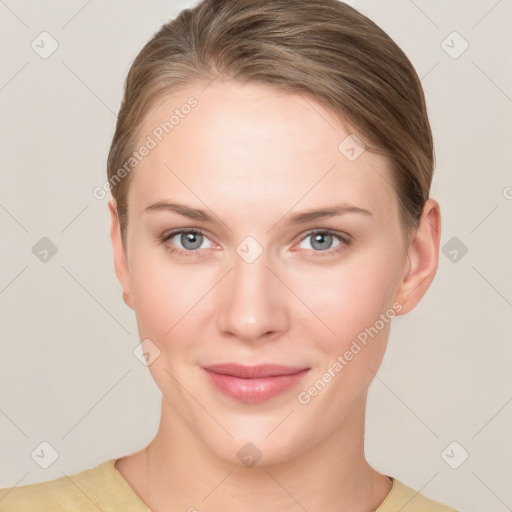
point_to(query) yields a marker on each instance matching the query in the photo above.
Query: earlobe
(423, 258)
(120, 258)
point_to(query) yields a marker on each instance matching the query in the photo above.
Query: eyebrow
(299, 218)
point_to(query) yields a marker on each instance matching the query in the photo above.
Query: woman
(270, 176)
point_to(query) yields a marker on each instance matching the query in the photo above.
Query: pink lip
(254, 384)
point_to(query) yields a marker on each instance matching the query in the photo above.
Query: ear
(120, 258)
(423, 255)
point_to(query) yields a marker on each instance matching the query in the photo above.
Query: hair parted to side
(324, 49)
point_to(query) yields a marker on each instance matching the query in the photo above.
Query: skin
(252, 157)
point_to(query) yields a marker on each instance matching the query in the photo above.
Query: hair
(324, 49)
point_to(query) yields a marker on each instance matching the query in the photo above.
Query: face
(276, 247)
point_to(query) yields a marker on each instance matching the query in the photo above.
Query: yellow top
(104, 488)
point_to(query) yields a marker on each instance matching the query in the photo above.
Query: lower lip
(253, 391)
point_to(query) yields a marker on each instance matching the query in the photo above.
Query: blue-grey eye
(187, 242)
(191, 241)
(321, 241)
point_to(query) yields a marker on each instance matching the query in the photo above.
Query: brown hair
(322, 48)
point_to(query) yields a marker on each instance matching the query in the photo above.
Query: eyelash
(345, 241)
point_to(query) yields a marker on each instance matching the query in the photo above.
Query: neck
(182, 474)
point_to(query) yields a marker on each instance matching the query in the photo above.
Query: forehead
(243, 144)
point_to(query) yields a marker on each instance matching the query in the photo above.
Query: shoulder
(405, 499)
(97, 488)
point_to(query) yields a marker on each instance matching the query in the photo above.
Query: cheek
(167, 296)
(169, 302)
(355, 300)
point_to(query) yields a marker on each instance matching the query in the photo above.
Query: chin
(259, 441)
(255, 452)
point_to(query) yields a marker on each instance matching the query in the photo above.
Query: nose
(254, 303)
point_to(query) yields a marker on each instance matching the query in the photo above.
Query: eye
(324, 241)
(186, 242)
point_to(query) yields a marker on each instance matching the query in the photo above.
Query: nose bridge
(252, 307)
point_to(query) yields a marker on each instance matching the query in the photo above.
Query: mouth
(254, 384)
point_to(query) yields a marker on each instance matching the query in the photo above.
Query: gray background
(68, 373)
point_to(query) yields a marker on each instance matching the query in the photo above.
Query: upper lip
(253, 371)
